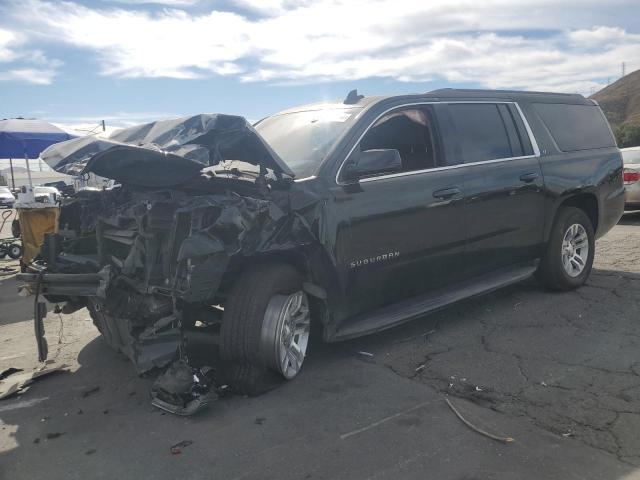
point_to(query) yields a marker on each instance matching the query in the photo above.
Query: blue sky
(128, 61)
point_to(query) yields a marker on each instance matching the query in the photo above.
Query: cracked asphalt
(559, 372)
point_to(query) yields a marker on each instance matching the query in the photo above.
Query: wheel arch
(312, 264)
(585, 201)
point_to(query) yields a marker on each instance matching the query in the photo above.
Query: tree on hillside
(627, 135)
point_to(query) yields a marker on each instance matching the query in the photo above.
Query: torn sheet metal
(184, 390)
(153, 347)
(20, 382)
(175, 150)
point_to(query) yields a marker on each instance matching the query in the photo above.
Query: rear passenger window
(486, 131)
(576, 127)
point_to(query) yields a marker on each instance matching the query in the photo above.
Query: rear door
(504, 194)
(403, 232)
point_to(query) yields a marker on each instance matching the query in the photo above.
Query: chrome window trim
(532, 139)
(304, 179)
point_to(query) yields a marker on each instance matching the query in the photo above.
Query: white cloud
(20, 64)
(178, 3)
(489, 43)
(8, 41)
(36, 76)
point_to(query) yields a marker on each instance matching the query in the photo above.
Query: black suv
(348, 218)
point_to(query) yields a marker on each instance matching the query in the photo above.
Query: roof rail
(481, 91)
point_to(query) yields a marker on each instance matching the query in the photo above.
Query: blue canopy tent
(21, 138)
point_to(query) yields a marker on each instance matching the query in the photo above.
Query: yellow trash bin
(34, 224)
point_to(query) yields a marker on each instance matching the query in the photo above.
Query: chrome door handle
(446, 193)
(529, 177)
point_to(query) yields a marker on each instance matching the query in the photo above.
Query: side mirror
(373, 162)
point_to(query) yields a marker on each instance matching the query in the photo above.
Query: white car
(6, 198)
(631, 175)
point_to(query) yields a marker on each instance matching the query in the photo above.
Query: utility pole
(104, 129)
(624, 68)
(13, 180)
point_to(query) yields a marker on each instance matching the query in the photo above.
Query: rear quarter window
(576, 127)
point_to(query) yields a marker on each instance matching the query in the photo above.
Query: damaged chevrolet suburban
(346, 218)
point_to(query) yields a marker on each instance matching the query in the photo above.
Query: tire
(15, 228)
(552, 272)
(3, 253)
(242, 346)
(15, 251)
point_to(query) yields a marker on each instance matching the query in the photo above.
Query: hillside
(620, 101)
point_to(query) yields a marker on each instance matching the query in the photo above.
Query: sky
(130, 61)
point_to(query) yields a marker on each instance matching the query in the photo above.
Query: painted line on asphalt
(381, 421)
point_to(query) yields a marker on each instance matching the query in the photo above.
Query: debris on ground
(420, 367)
(476, 429)
(7, 271)
(184, 390)
(177, 448)
(91, 451)
(90, 392)
(259, 421)
(19, 383)
(9, 371)
(422, 335)
(52, 435)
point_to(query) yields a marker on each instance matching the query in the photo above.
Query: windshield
(303, 139)
(4, 191)
(631, 156)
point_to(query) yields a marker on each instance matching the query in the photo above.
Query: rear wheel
(265, 328)
(569, 257)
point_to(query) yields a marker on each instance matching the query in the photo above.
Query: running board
(412, 308)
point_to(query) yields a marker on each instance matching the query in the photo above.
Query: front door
(403, 232)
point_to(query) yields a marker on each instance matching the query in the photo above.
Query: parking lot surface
(558, 372)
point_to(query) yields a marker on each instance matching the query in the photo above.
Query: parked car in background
(631, 175)
(6, 198)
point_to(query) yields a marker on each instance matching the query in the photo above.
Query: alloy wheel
(575, 250)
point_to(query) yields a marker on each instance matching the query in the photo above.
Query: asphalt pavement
(557, 372)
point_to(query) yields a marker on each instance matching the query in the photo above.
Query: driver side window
(410, 131)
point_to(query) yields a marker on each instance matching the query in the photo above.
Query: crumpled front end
(152, 258)
(149, 263)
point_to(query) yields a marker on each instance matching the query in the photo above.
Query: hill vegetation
(620, 103)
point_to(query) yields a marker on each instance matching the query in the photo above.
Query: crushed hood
(174, 151)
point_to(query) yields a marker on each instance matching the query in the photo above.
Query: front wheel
(568, 259)
(265, 328)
